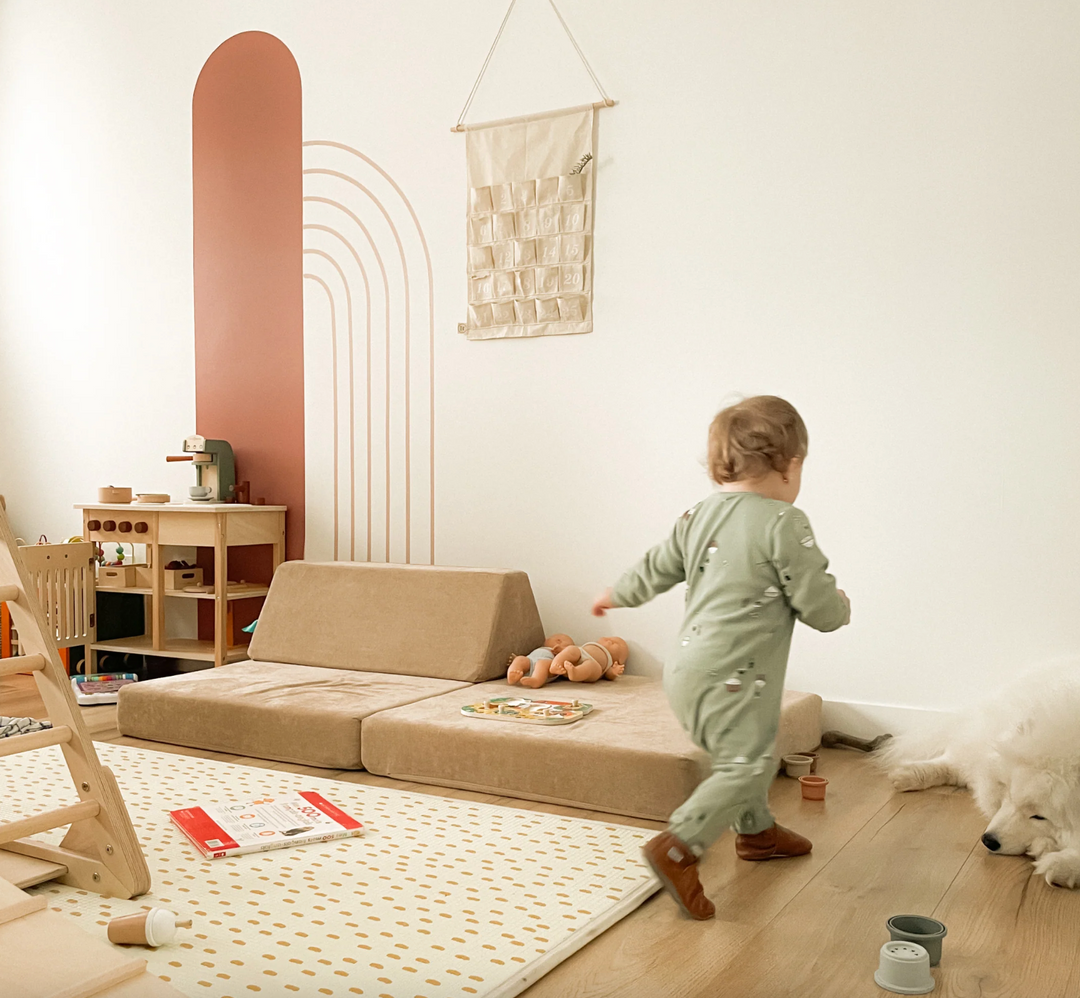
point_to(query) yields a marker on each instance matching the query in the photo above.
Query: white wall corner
(868, 720)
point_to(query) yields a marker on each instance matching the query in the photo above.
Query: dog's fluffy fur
(1019, 753)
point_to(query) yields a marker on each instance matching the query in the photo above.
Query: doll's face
(558, 642)
(619, 651)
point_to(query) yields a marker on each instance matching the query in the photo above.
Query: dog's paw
(1061, 869)
(905, 778)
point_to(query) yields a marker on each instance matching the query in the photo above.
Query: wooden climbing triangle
(100, 851)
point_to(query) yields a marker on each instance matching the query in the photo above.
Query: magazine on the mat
(284, 820)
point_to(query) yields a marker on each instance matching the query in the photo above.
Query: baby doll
(532, 670)
(607, 659)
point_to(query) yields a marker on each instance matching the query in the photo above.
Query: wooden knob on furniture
(93, 524)
(109, 525)
(125, 527)
(140, 527)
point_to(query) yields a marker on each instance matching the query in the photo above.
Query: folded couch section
(408, 620)
(270, 710)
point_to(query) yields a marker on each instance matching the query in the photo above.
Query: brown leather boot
(676, 866)
(773, 843)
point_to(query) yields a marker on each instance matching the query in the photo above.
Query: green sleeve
(810, 590)
(660, 569)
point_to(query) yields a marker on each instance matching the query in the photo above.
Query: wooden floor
(808, 927)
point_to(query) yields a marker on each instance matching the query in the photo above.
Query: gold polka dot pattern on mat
(439, 897)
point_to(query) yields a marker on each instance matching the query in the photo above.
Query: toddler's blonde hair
(753, 437)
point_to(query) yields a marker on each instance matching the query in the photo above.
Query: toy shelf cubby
(218, 526)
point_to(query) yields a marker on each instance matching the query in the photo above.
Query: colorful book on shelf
(282, 821)
(101, 688)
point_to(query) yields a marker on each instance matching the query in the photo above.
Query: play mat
(439, 897)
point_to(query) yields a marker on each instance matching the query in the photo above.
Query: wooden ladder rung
(12, 830)
(21, 663)
(13, 744)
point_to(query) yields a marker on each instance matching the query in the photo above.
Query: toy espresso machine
(215, 469)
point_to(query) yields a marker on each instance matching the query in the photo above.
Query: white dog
(1019, 753)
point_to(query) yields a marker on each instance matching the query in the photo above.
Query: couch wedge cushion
(629, 756)
(410, 620)
(269, 710)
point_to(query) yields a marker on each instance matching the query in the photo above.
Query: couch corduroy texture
(629, 756)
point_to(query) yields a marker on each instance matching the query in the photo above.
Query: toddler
(752, 567)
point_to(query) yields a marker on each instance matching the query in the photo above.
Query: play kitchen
(216, 515)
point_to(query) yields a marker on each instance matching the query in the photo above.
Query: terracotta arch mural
(247, 191)
(328, 399)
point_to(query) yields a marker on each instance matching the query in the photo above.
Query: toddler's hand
(602, 604)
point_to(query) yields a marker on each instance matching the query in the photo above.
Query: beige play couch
(359, 666)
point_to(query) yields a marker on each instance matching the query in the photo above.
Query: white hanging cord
(502, 27)
(483, 68)
(577, 48)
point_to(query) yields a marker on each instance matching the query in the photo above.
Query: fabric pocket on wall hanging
(526, 312)
(480, 229)
(503, 255)
(525, 283)
(547, 280)
(504, 284)
(480, 258)
(547, 249)
(547, 309)
(525, 194)
(480, 315)
(503, 313)
(480, 199)
(502, 197)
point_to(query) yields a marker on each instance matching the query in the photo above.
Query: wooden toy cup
(813, 787)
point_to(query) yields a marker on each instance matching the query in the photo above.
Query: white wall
(869, 208)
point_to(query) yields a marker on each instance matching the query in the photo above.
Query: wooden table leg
(157, 599)
(279, 544)
(221, 591)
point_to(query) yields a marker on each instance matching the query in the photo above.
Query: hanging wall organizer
(532, 185)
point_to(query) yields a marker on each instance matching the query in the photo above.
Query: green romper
(751, 567)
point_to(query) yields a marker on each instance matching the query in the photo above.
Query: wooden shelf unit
(213, 525)
(254, 592)
(190, 648)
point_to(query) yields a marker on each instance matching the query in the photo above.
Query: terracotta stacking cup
(813, 787)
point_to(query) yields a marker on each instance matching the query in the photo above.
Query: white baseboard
(868, 720)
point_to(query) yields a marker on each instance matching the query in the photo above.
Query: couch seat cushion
(629, 756)
(269, 710)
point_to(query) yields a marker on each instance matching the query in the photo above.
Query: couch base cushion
(629, 756)
(269, 710)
